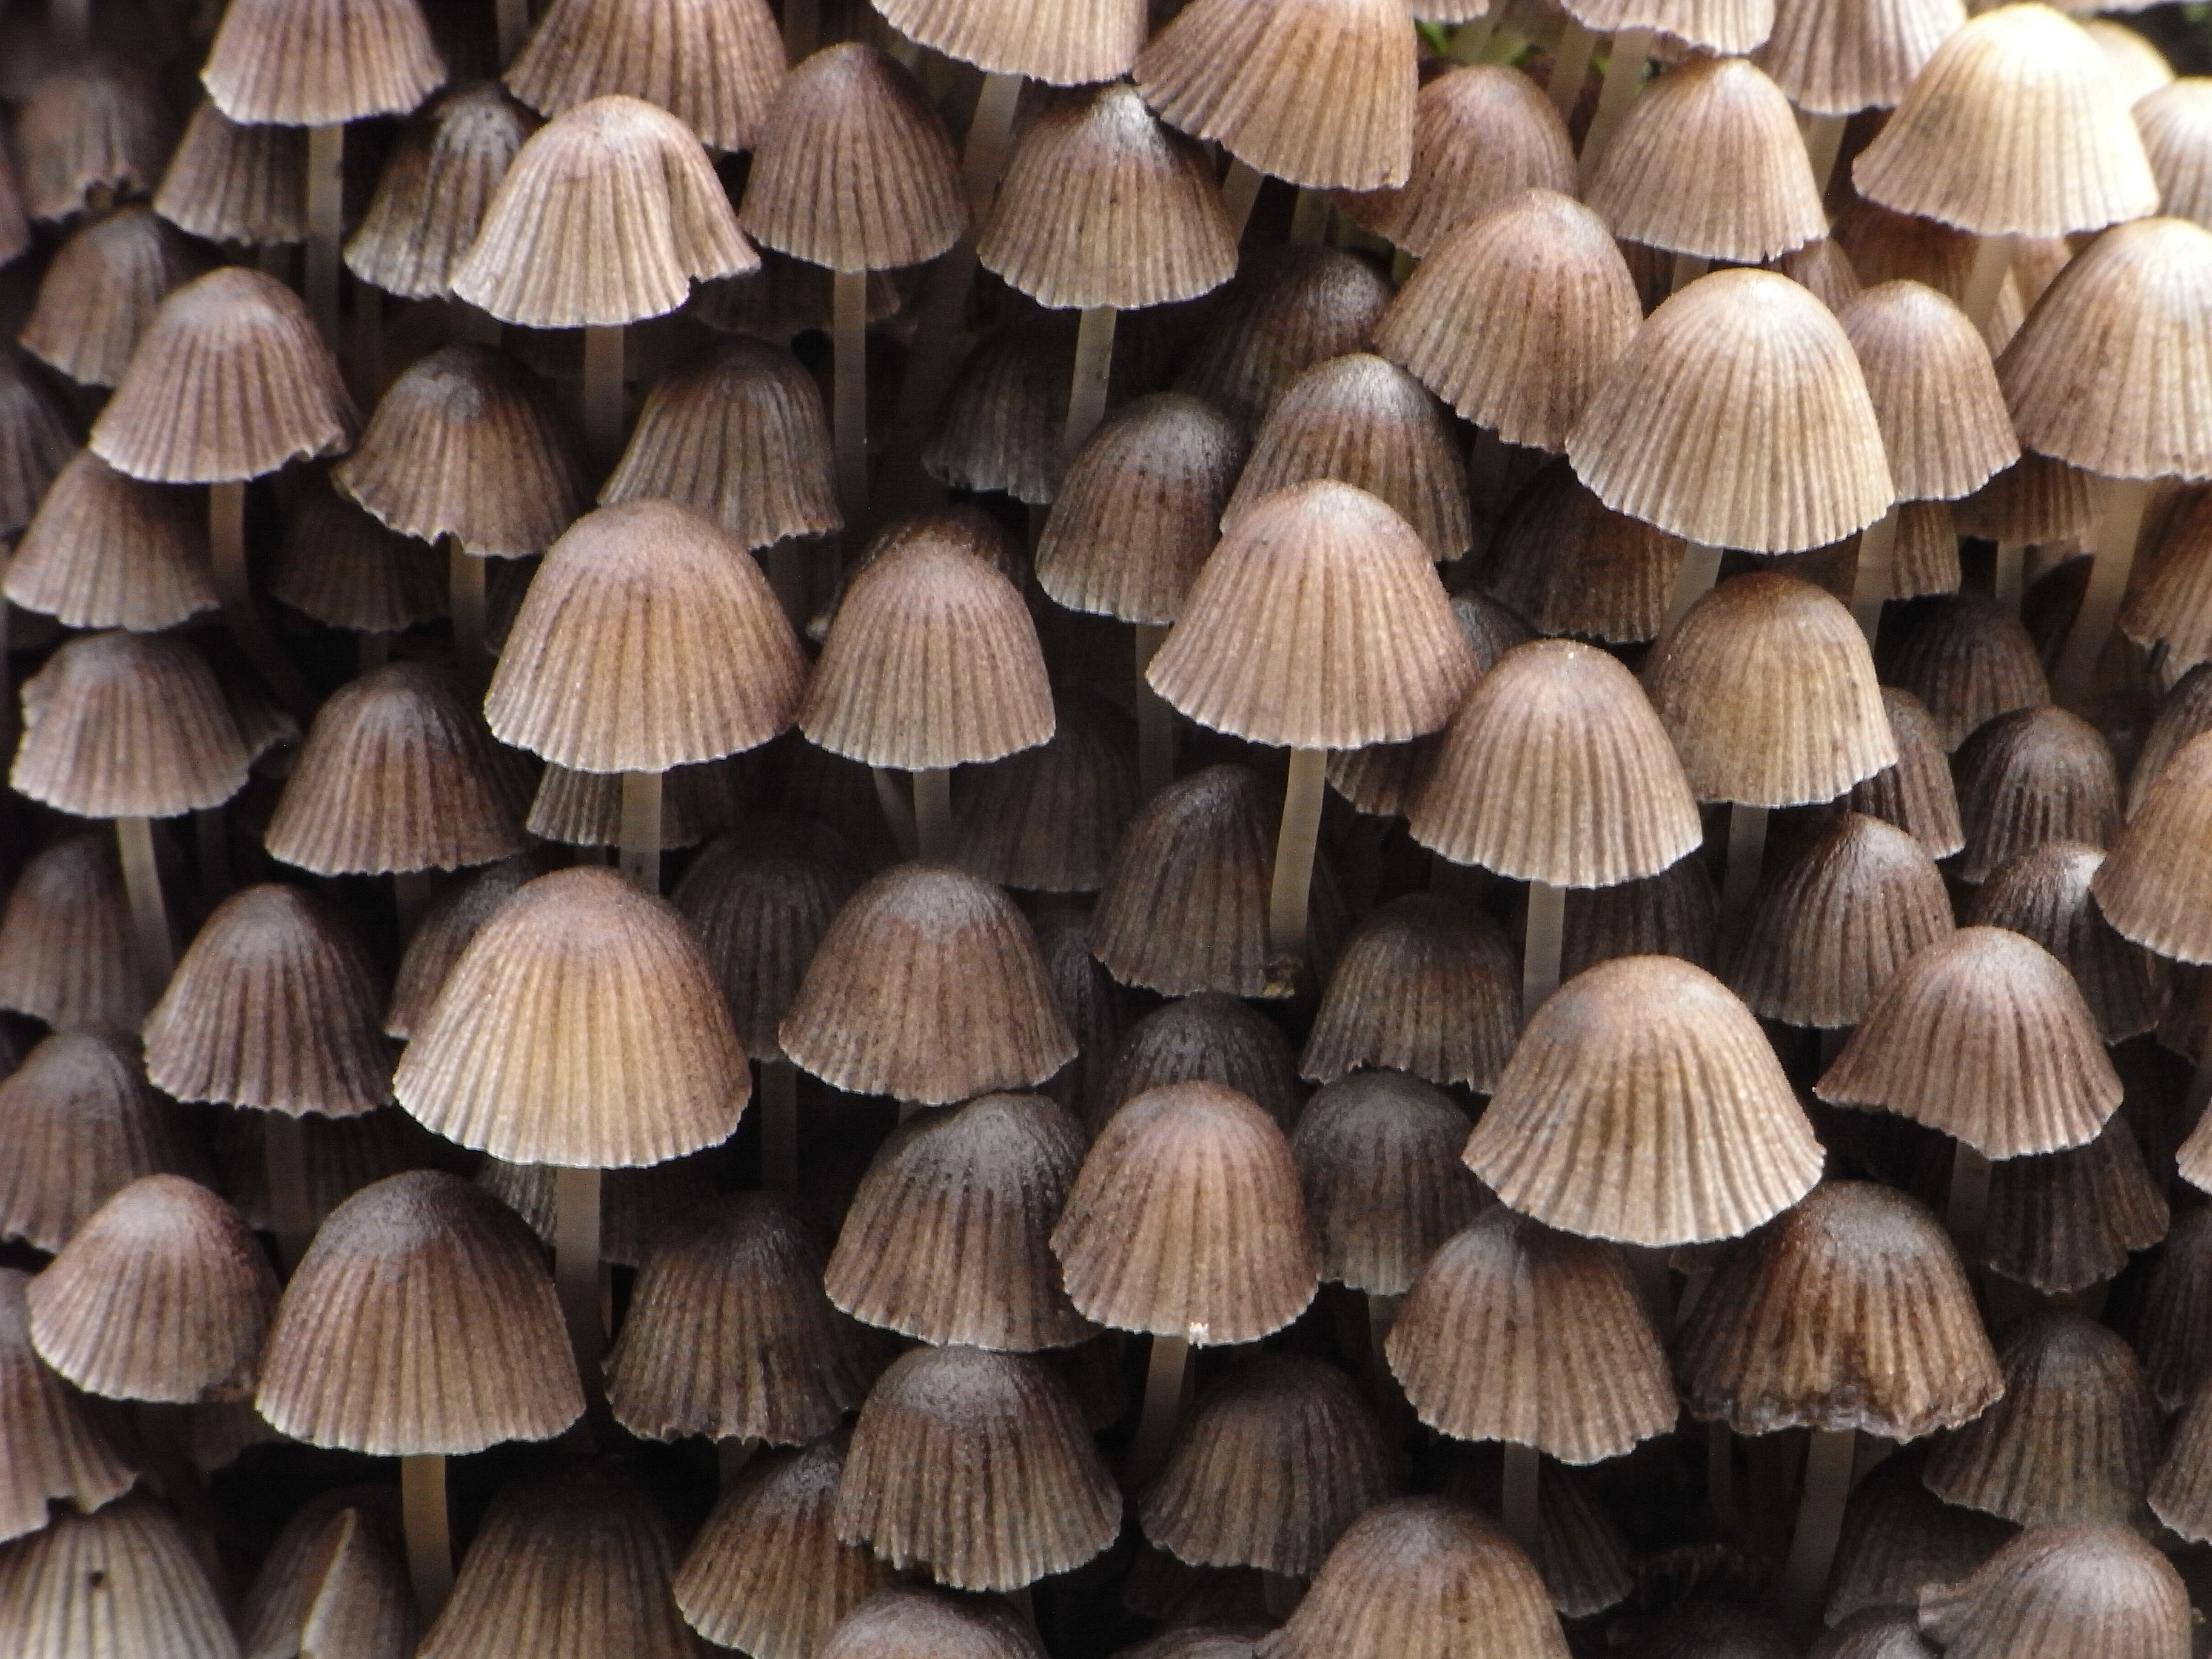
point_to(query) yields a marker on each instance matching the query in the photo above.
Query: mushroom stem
(1571, 61)
(465, 588)
(1094, 366)
(211, 831)
(1309, 217)
(1701, 568)
(603, 396)
(933, 814)
(2119, 521)
(1655, 1285)
(1875, 579)
(1969, 1204)
(227, 555)
(896, 813)
(1829, 1463)
(325, 224)
(1517, 1501)
(411, 892)
(779, 1083)
(2011, 576)
(576, 1268)
(1164, 1380)
(429, 1532)
(1382, 1315)
(1747, 850)
(1624, 79)
(641, 830)
(149, 917)
(1288, 895)
(1541, 939)
(1156, 728)
(284, 1163)
(1469, 39)
(1985, 278)
(732, 1454)
(1240, 189)
(1824, 142)
(1688, 267)
(514, 26)
(848, 336)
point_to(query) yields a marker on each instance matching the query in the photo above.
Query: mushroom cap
(2176, 124)
(128, 1572)
(101, 291)
(105, 550)
(232, 183)
(432, 196)
(1378, 1158)
(1710, 26)
(1424, 985)
(68, 957)
(78, 1122)
(53, 1451)
(1287, 309)
(1836, 60)
(321, 63)
(1943, 419)
(715, 66)
(2152, 886)
(2060, 1590)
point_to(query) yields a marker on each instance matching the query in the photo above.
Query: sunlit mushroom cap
(714, 66)
(1836, 58)
(2056, 1591)
(1738, 417)
(431, 198)
(1051, 40)
(128, 1577)
(1710, 26)
(2176, 123)
(322, 63)
(607, 215)
(2153, 887)
(1934, 391)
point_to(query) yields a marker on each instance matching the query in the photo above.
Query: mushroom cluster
(998, 830)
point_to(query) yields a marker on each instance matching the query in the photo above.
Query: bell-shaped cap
(1425, 985)
(1710, 26)
(273, 1005)
(1850, 1311)
(2055, 1592)
(999, 428)
(1378, 1160)
(1766, 687)
(1514, 1332)
(1517, 317)
(105, 550)
(1935, 390)
(1708, 161)
(1318, 92)
(1288, 309)
(714, 66)
(230, 381)
(1831, 929)
(2034, 500)
(1556, 769)
(1837, 57)
(1138, 509)
(1482, 132)
(1916, 794)
(1967, 660)
(648, 639)
(1984, 1035)
(468, 443)
(1318, 622)
(38, 435)
(1048, 819)
(50, 1450)
(1102, 205)
(2138, 302)
(87, 129)
(340, 567)
(1738, 417)
(928, 986)
(1675, 913)
(127, 726)
(436, 183)
(397, 774)
(947, 1237)
(907, 1621)
(2184, 713)
(2170, 612)
(767, 1574)
(2014, 127)
(978, 1469)
(729, 1334)
(161, 1295)
(2059, 1221)
(1061, 45)
(2033, 776)
(1898, 1535)
(854, 169)
(2176, 124)
(575, 969)
(78, 1124)
(1644, 1105)
(2074, 1438)
(1571, 565)
(2153, 885)
(1187, 1220)
(1365, 422)
(1211, 1037)
(127, 1579)
(68, 957)
(577, 1561)
(1422, 1578)
(606, 216)
(101, 291)
(2181, 1492)
(933, 660)
(443, 933)
(321, 63)
(421, 1322)
(232, 183)
(1267, 1468)
(736, 432)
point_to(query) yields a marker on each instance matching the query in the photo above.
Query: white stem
(1875, 578)
(849, 332)
(325, 217)
(1985, 280)
(2011, 577)
(933, 814)
(284, 1162)
(1239, 191)
(1518, 1504)
(1824, 142)
(1163, 1383)
(464, 587)
(429, 1532)
(779, 1086)
(1747, 851)
(1156, 719)
(1701, 566)
(603, 396)
(1819, 1522)
(576, 1268)
(1688, 267)
(150, 916)
(1289, 894)
(898, 813)
(1624, 79)
(1094, 369)
(640, 828)
(1571, 61)
(2119, 522)
(1541, 941)
(227, 555)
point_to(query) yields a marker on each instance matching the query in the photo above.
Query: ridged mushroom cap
(321, 63)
